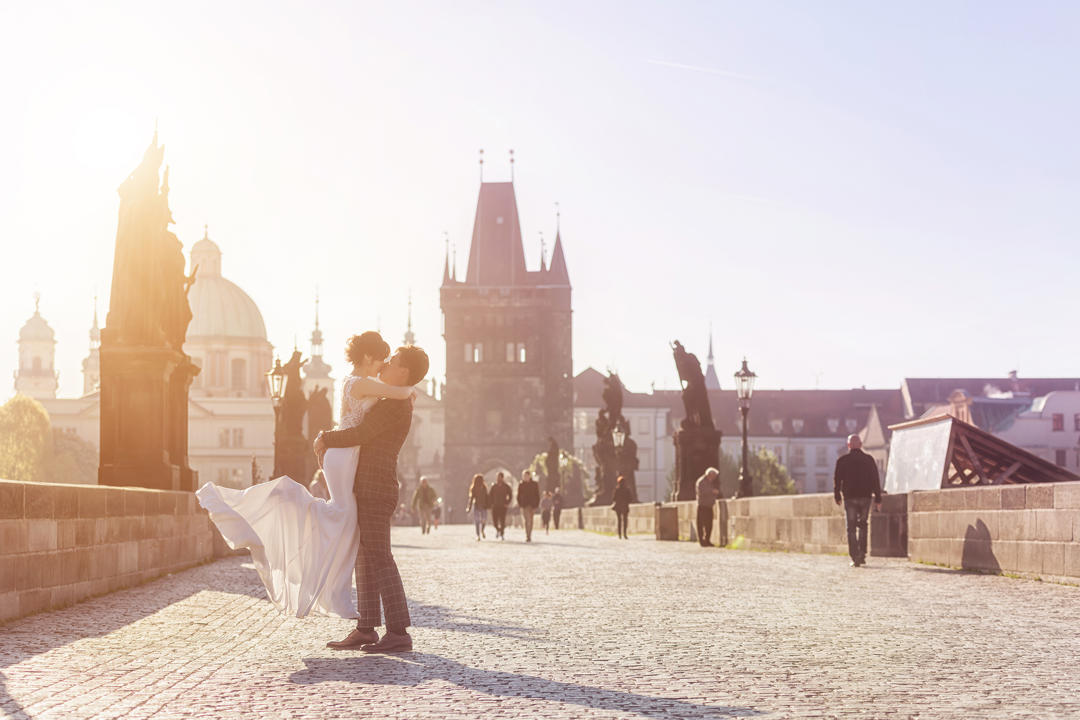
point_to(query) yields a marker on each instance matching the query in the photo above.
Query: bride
(303, 547)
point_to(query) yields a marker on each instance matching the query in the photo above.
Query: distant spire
(558, 216)
(481, 165)
(511, 164)
(410, 338)
(37, 303)
(557, 269)
(316, 334)
(543, 254)
(206, 231)
(712, 380)
(453, 265)
(95, 331)
(446, 266)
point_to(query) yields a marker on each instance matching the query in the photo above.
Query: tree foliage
(768, 476)
(31, 450)
(25, 439)
(73, 460)
(567, 465)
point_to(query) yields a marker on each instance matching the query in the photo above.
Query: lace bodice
(353, 410)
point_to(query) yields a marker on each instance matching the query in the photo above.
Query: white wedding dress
(303, 547)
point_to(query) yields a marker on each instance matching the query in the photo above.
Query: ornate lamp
(744, 384)
(276, 381)
(744, 387)
(618, 436)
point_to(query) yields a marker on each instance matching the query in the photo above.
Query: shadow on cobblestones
(413, 669)
(437, 616)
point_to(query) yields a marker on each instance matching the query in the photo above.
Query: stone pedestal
(144, 418)
(291, 457)
(695, 449)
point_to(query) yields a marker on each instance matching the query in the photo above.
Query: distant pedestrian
(856, 480)
(478, 504)
(556, 507)
(545, 511)
(423, 500)
(621, 504)
(708, 490)
(436, 513)
(499, 497)
(528, 498)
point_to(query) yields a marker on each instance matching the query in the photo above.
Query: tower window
(1058, 420)
(509, 352)
(521, 352)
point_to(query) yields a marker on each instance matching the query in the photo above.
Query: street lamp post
(744, 385)
(276, 381)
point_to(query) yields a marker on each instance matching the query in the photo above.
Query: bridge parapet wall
(1033, 529)
(60, 544)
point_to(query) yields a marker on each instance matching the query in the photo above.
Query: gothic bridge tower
(509, 383)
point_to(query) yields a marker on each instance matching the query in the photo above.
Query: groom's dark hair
(415, 360)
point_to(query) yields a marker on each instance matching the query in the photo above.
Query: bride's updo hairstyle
(370, 344)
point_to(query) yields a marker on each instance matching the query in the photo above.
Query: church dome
(219, 308)
(36, 329)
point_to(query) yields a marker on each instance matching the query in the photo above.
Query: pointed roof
(496, 256)
(712, 382)
(557, 273)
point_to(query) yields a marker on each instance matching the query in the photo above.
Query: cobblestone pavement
(575, 625)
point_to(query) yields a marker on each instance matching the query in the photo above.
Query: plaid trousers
(377, 576)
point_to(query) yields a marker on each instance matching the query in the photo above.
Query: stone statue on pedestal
(611, 461)
(145, 375)
(697, 441)
(290, 445)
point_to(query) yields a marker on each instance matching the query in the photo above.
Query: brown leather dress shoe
(391, 642)
(356, 640)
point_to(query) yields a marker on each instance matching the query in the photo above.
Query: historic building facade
(509, 382)
(230, 417)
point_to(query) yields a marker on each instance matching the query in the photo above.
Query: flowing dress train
(303, 547)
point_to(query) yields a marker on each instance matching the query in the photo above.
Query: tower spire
(481, 165)
(446, 265)
(511, 164)
(543, 254)
(410, 338)
(712, 380)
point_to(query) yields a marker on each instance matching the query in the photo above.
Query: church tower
(317, 370)
(91, 365)
(508, 348)
(36, 376)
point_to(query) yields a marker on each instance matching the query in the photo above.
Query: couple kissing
(307, 549)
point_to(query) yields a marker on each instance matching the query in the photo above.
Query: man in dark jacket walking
(528, 497)
(499, 497)
(856, 481)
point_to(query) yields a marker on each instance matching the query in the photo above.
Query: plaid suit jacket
(380, 436)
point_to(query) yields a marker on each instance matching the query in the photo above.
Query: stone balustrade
(60, 544)
(1032, 529)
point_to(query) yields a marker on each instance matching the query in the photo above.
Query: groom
(380, 436)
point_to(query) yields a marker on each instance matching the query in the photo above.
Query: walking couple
(306, 549)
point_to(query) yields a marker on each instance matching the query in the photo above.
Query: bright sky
(849, 192)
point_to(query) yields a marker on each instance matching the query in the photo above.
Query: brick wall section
(813, 523)
(602, 519)
(60, 544)
(1012, 528)
(800, 523)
